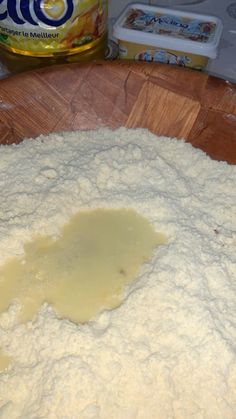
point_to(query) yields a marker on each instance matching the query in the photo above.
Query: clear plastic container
(169, 36)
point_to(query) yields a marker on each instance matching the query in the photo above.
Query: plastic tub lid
(170, 29)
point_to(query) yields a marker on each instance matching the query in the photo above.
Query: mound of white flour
(169, 351)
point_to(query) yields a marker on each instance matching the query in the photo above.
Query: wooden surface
(168, 100)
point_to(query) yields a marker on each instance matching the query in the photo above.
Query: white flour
(169, 350)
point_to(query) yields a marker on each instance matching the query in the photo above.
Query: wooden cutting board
(168, 100)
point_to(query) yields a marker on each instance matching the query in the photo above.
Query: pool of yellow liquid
(5, 361)
(82, 271)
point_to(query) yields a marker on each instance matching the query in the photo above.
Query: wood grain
(167, 100)
(150, 113)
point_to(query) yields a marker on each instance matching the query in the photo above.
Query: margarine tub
(150, 33)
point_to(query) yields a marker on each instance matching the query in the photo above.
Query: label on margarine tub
(169, 24)
(45, 27)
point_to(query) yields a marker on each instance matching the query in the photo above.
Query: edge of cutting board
(168, 100)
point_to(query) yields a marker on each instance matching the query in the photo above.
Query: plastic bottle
(37, 33)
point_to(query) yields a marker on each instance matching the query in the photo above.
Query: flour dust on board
(86, 269)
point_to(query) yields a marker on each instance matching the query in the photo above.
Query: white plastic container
(169, 36)
(173, 3)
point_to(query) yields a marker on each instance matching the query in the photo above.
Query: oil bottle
(37, 33)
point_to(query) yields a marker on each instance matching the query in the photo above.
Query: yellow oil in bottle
(17, 63)
(51, 32)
